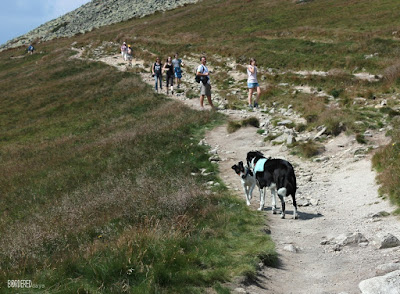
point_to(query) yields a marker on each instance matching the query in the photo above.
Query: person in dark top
(31, 49)
(169, 70)
(156, 71)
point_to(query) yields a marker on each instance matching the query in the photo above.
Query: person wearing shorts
(169, 70)
(252, 82)
(129, 55)
(205, 86)
(177, 63)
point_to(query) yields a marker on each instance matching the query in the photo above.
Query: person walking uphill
(177, 68)
(129, 55)
(169, 69)
(123, 51)
(205, 85)
(156, 71)
(252, 82)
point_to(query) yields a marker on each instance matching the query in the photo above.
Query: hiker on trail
(169, 69)
(205, 85)
(123, 51)
(31, 49)
(156, 71)
(252, 82)
(177, 68)
(129, 55)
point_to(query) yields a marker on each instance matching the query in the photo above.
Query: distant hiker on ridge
(129, 55)
(123, 51)
(31, 49)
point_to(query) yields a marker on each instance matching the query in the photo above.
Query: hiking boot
(255, 105)
(250, 106)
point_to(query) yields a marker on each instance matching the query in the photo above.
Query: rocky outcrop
(387, 284)
(94, 14)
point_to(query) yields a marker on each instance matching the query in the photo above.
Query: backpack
(199, 78)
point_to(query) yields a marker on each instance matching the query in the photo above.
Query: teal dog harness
(260, 165)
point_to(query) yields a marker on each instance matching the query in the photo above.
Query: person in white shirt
(124, 49)
(252, 82)
(205, 85)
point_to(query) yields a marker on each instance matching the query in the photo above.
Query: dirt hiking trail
(330, 249)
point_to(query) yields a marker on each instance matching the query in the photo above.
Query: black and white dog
(247, 178)
(275, 174)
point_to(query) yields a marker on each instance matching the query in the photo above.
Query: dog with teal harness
(277, 175)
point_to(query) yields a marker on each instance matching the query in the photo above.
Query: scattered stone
(380, 214)
(383, 269)
(303, 203)
(290, 140)
(240, 290)
(320, 133)
(214, 158)
(385, 240)
(214, 151)
(321, 159)
(284, 122)
(368, 133)
(291, 248)
(387, 284)
(350, 239)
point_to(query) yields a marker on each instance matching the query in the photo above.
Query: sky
(18, 17)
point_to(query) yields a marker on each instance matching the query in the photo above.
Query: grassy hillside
(96, 184)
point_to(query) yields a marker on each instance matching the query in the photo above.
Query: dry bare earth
(336, 196)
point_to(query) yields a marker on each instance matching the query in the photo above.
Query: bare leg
(250, 95)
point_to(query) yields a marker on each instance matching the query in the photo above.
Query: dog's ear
(234, 167)
(240, 163)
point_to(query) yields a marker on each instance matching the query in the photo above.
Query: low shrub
(233, 126)
(309, 148)
(387, 163)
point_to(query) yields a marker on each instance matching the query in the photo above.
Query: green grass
(92, 203)
(386, 162)
(81, 144)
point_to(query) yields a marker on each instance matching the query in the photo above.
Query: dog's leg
(282, 194)
(251, 191)
(246, 193)
(273, 195)
(295, 215)
(262, 199)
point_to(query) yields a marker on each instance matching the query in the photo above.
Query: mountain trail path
(330, 249)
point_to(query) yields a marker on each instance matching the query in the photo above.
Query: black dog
(276, 174)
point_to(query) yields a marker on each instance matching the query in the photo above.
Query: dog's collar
(248, 172)
(252, 163)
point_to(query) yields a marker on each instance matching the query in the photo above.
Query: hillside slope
(91, 202)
